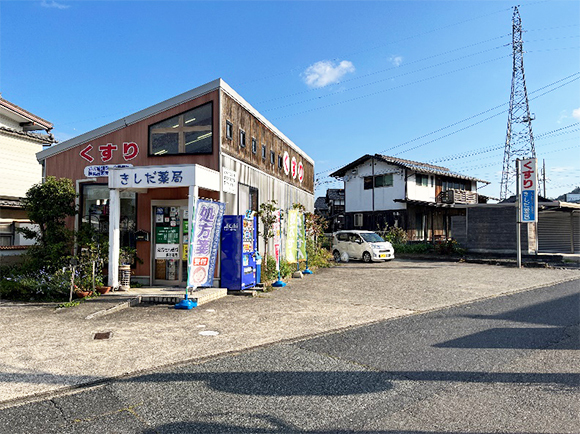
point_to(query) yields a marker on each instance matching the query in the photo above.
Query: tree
(268, 218)
(48, 205)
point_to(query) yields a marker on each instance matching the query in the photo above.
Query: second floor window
(254, 146)
(263, 152)
(187, 133)
(242, 139)
(422, 180)
(385, 180)
(229, 130)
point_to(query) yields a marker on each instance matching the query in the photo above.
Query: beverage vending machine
(238, 249)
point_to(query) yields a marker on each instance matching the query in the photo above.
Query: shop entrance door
(169, 253)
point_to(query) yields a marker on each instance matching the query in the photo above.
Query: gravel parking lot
(45, 350)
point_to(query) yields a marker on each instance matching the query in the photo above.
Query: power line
(392, 88)
(573, 77)
(406, 64)
(396, 41)
(388, 78)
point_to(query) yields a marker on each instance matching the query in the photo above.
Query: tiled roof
(43, 138)
(25, 113)
(335, 194)
(320, 203)
(407, 164)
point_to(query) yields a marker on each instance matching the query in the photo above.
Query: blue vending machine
(238, 248)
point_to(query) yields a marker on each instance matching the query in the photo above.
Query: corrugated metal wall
(269, 188)
(559, 232)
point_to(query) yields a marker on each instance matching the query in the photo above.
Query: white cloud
(396, 60)
(561, 169)
(576, 113)
(563, 116)
(53, 4)
(326, 72)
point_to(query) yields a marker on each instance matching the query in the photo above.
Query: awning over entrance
(142, 178)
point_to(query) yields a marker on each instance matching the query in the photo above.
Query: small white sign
(229, 181)
(167, 251)
(103, 170)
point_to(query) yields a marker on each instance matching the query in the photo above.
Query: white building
(419, 197)
(20, 140)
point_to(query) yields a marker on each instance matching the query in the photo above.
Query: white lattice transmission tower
(519, 142)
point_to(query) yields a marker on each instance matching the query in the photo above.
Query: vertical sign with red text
(203, 244)
(529, 190)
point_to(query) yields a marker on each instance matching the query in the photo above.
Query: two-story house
(22, 135)
(331, 207)
(418, 197)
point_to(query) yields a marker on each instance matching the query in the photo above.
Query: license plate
(382, 256)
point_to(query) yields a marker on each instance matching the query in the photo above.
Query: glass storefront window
(95, 211)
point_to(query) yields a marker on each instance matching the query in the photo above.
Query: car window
(372, 238)
(353, 238)
(342, 237)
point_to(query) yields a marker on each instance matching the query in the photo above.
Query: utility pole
(519, 138)
(544, 177)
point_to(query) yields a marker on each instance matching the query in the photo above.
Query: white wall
(421, 192)
(19, 169)
(9, 123)
(359, 199)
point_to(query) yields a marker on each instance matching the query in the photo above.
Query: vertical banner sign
(301, 237)
(203, 245)
(277, 240)
(292, 236)
(529, 191)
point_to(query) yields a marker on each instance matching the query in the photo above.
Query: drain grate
(102, 335)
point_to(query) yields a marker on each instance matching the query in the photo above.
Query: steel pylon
(519, 141)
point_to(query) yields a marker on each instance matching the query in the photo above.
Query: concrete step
(204, 295)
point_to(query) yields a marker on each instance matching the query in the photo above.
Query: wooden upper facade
(130, 140)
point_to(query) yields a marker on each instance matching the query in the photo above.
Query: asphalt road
(507, 364)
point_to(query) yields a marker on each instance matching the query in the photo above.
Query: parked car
(364, 245)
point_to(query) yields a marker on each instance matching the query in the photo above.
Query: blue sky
(339, 78)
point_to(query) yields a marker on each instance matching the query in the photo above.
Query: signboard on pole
(204, 240)
(301, 237)
(292, 236)
(277, 239)
(295, 237)
(529, 190)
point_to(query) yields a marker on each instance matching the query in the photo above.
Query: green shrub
(40, 286)
(393, 234)
(449, 247)
(419, 248)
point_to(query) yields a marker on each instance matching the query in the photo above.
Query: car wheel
(366, 257)
(336, 254)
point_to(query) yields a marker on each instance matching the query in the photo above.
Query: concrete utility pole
(519, 141)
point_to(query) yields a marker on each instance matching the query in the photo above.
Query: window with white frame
(358, 220)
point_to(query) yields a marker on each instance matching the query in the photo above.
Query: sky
(428, 81)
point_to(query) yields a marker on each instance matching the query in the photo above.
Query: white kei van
(364, 245)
